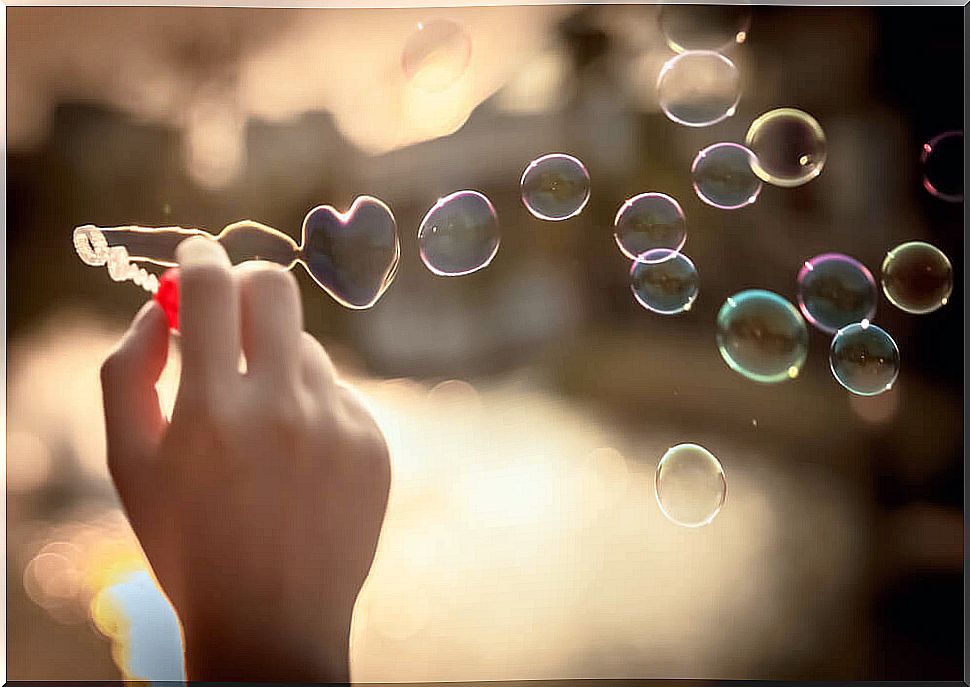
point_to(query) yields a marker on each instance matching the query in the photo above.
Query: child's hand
(259, 506)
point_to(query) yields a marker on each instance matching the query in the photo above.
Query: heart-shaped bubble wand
(352, 255)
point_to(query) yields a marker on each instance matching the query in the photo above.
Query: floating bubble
(555, 187)
(436, 55)
(723, 176)
(942, 159)
(864, 359)
(789, 147)
(459, 235)
(762, 336)
(699, 88)
(704, 27)
(917, 277)
(835, 290)
(647, 222)
(666, 284)
(690, 485)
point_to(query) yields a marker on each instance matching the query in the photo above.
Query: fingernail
(201, 250)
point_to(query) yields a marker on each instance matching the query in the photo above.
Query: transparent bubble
(723, 176)
(690, 485)
(699, 88)
(917, 277)
(864, 359)
(762, 336)
(666, 284)
(436, 55)
(459, 235)
(942, 159)
(704, 27)
(555, 187)
(789, 147)
(835, 290)
(647, 222)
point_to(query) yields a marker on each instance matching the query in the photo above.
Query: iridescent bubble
(789, 147)
(666, 284)
(690, 485)
(835, 290)
(942, 159)
(555, 187)
(704, 27)
(864, 359)
(917, 277)
(436, 55)
(762, 336)
(459, 235)
(723, 176)
(699, 88)
(647, 222)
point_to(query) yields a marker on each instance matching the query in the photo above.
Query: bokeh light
(917, 277)
(459, 234)
(555, 187)
(666, 284)
(699, 88)
(690, 485)
(835, 290)
(789, 147)
(723, 176)
(762, 336)
(647, 222)
(864, 359)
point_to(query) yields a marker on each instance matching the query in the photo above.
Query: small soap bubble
(690, 485)
(762, 336)
(942, 160)
(647, 222)
(666, 284)
(704, 27)
(835, 290)
(723, 176)
(917, 277)
(459, 235)
(789, 147)
(436, 55)
(555, 187)
(864, 359)
(699, 88)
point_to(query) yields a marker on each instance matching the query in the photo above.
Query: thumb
(133, 417)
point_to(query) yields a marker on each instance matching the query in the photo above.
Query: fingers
(272, 322)
(133, 418)
(208, 320)
(318, 371)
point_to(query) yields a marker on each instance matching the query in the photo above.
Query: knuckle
(113, 367)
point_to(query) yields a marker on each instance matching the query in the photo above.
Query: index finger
(208, 316)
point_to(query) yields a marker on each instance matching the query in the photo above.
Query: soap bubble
(555, 187)
(942, 159)
(723, 176)
(704, 27)
(690, 485)
(864, 359)
(436, 55)
(917, 277)
(699, 88)
(789, 147)
(666, 284)
(647, 222)
(835, 290)
(762, 336)
(459, 235)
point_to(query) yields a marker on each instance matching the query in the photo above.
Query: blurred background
(526, 405)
